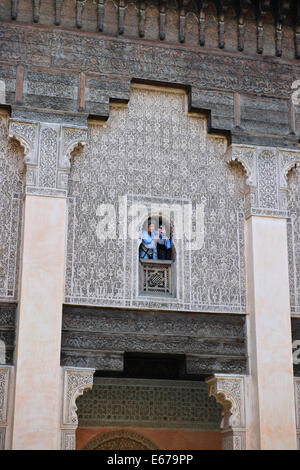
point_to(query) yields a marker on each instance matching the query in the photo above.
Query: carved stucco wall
(11, 190)
(152, 151)
(294, 238)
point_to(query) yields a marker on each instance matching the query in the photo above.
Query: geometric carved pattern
(122, 439)
(47, 152)
(148, 403)
(11, 189)
(68, 439)
(229, 391)
(2, 438)
(274, 190)
(294, 238)
(157, 153)
(156, 277)
(266, 170)
(5, 375)
(76, 381)
(4, 382)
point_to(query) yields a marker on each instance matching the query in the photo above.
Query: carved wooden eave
(222, 8)
(242, 9)
(297, 30)
(79, 9)
(262, 6)
(281, 10)
(162, 19)
(58, 5)
(36, 10)
(14, 9)
(142, 16)
(121, 14)
(182, 13)
(202, 16)
(100, 15)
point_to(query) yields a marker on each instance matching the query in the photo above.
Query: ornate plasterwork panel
(4, 379)
(68, 439)
(11, 188)
(273, 189)
(266, 177)
(4, 388)
(154, 152)
(148, 403)
(233, 440)
(42, 151)
(297, 402)
(229, 391)
(294, 238)
(47, 151)
(75, 382)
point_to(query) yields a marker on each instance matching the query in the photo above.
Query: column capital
(229, 391)
(47, 153)
(75, 382)
(266, 171)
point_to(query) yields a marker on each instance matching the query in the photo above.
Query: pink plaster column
(37, 407)
(271, 409)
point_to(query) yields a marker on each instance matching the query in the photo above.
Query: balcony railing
(156, 277)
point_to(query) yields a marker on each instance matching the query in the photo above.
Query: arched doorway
(132, 413)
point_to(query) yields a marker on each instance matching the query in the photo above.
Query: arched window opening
(157, 257)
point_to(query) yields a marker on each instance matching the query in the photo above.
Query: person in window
(155, 244)
(163, 245)
(148, 248)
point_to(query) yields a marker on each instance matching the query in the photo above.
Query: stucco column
(38, 382)
(272, 413)
(37, 387)
(297, 408)
(270, 386)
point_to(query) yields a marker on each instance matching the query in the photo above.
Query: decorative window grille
(156, 277)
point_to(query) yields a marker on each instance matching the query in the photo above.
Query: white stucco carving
(76, 381)
(229, 391)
